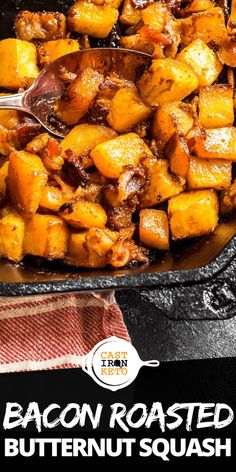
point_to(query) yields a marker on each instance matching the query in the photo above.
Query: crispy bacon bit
(42, 25)
(154, 36)
(78, 164)
(125, 250)
(24, 133)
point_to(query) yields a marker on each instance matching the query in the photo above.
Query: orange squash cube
(216, 106)
(154, 229)
(171, 118)
(27, 177)
(110, 157)
(46, 236)
(209, 173)
(203, 60)
(127, 110)
(178, 154)
(193, 213)
(162, 185)
(217, 143)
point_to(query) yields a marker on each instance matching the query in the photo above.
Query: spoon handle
(13, 102)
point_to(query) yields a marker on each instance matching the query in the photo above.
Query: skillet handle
(213, 300)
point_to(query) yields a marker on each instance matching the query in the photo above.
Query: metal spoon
(40, 98)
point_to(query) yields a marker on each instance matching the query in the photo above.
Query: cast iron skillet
(191, 263)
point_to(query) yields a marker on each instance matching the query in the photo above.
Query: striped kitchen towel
(55, 331)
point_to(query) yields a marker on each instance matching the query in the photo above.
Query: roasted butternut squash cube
(178, 154)
(27, 177)
(231, 25)
(83, 138)
(110, 157)
(207, 25)
(193, 213)
(9, 119)
(83, 214)
(79, 96)
(155, 15)
(218, 143)
(12, 229)
(52, 198)
(101, 240)
(167, 80)
(203, 60)
(199, 5)
(216, 106)
(137, 42)
(88, 18)
(209, 173)
(46, 236)
(3, 176)
(171, 118)
(163, 184)
(52, 50)
(18, 63)
(154, 229)
(130, 15)
(80, 252)
(6, 144)
(127, 110)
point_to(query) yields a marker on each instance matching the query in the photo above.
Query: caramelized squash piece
(199, 5)
(52, 198)
(154, 229)
(193, 213)
(12, 230)
(167, 80)
(3, 176)
(127, 110)
(79, 96)
(83, 138)
(155, 15)
(6, 142)
(52, 50)
(88, 18)
(207, 25)
(90, 248)
(231, 25)
(218, 143)
(110, 157)
(9, 119)
(27, 177)
(83, 214)
(209, 173)
(171, 118)
(178, 154)
(163, 184)
(18, 63)
(130, 15)
(203, 60)
(216, 106)
(137, 42)
(46, 236)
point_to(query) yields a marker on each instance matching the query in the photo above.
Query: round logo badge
(114, 363)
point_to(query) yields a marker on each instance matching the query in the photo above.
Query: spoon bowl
(40, 98)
